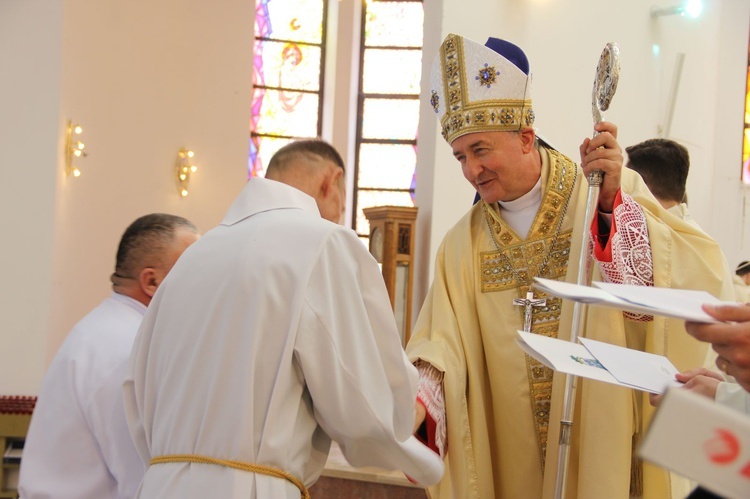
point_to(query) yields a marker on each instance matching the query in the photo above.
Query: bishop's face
(502, 166)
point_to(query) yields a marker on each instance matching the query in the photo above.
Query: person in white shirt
(78, 444)
(273, 336)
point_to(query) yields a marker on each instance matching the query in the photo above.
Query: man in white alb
(78, 444)
(273, 336)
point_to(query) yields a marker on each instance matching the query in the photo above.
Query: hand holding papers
(677, 303)
(602, 361)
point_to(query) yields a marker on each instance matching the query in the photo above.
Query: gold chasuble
(503, 409)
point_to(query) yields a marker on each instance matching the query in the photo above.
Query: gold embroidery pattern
(508, 115)
(527, 258)
(497, 273)
(487, 75)
(546, 321)
(435, 101)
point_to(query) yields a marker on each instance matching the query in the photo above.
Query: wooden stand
(392, 231)
(15, 416)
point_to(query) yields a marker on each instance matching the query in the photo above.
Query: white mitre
(475, 88)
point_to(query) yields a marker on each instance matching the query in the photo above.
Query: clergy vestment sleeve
(430, 395)
(361, 383)
(444, 350)
(135, 423)
(626, 257)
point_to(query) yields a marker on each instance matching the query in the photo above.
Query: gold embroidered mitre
(475, 88)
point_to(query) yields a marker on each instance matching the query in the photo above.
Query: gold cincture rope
(239, 465)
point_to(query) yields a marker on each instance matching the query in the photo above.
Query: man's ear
(527, 136)
(148, 280)
(325, 185)
(331, 181)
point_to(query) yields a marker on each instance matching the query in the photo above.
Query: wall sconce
(183, 169)
(73, 148)
(692, 8)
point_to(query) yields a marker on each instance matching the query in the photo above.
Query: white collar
(262, 194)
(130, 302)
(531, 198)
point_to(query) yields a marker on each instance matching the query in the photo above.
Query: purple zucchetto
(510, 51)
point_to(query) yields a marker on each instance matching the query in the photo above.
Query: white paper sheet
(602, 362)
(564, 356)
(677, 303)
(641, 370)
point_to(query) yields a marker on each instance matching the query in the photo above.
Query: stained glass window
(287, 97)
(288, 65)
(388, 107)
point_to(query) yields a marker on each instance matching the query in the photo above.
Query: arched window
(288, 100)
(288, 69)
(388, 106)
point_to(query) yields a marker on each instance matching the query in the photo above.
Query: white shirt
(272, 335)
(733, 395)
(520, 213)
(78, 445)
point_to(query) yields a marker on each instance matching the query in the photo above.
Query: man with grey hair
(491, 410)
(78, 445)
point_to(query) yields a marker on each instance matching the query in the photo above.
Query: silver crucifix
(529, 302)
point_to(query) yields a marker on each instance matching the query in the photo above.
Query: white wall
(563, 40)
(144, 79)
(29, 106)
(729, 203)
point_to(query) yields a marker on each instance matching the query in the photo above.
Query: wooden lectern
(392, 230)
(15, 416)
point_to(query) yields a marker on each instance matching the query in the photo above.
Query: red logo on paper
(724, 448)
(745, 471)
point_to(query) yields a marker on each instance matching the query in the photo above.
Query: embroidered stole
(528, 258)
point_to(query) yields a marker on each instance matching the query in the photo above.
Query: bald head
(315, 168)
(147, 251)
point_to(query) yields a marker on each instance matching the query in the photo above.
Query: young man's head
(316, 168)
(664, 166)
(147, 252)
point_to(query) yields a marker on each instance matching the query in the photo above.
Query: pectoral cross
(529, 302)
